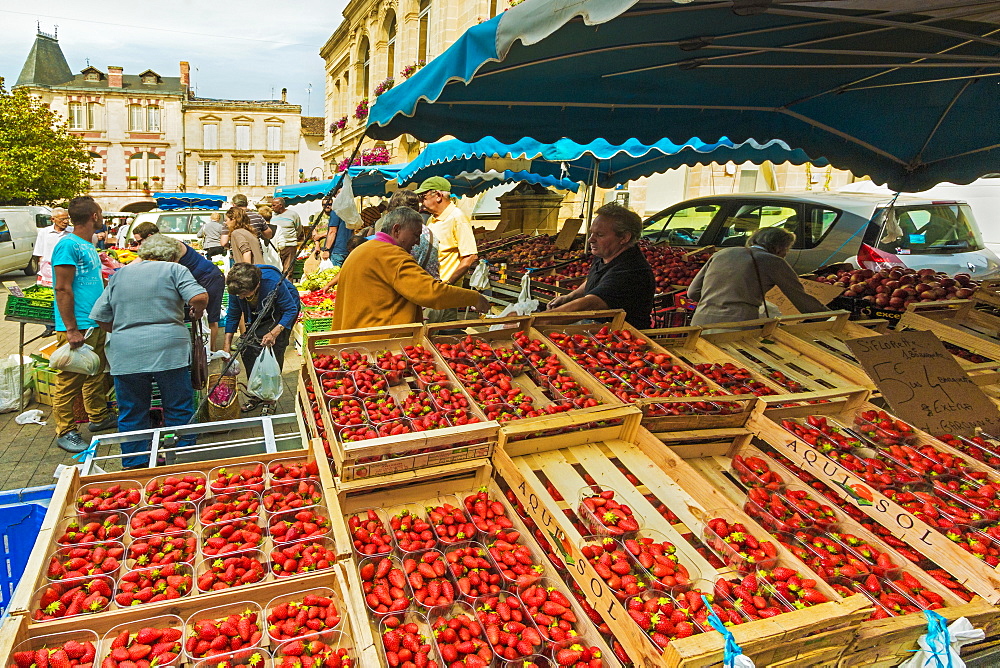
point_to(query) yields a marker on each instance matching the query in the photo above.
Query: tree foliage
(40, 161)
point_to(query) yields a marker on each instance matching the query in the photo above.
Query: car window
(746, 219)
(173, 223)
(930, 229)
(818, 222)
(198, 221)
(683, 227)
(4, 231)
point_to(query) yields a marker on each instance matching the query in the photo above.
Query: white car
(835, 228)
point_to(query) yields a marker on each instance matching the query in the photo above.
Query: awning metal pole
(593, 192)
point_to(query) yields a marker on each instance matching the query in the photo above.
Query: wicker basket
(218, 412)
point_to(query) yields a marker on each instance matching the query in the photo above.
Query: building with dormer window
(148, 133)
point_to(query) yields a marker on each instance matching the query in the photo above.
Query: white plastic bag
(944, 649)
(76, 360)
(524, 305)
(480, 276)
(34, 416)
(270, 254)
(265, 379)
(325, 264)
(10, 393)
(343, 205)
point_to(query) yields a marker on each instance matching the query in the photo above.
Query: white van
(181, 224)
(18, 231)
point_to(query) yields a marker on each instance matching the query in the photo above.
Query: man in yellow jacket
(381, 284)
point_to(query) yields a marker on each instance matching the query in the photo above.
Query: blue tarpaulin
(905, 91)
(617, 163)
(168, 201)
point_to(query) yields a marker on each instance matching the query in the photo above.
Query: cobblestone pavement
(28, 453)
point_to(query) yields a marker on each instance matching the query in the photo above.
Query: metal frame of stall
(163, 441)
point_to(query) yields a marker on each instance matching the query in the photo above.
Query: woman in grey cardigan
(732, 284)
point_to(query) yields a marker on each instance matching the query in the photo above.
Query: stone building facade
(147, 133)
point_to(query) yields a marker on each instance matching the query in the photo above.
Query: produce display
(575, 547)
(317, 279)
(898, 287)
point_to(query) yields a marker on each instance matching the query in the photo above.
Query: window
(817, 225)
(748, 218)
(272, 175)
(210, 136)
(242, 173)
(926, 229)
(683, 227)
(92, 76)
(207, 173)
(4, 231)
(198, 221)
(243, 138)
(365, 58)
(173, 223)
(425, 15)
(92, 112)
(390, 34)
(153, 118)
(273, 137)
(144, 166)
(135, 120)
(76, 116)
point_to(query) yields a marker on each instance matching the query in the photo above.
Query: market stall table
(22, 321)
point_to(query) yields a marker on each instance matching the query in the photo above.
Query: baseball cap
(434, 183)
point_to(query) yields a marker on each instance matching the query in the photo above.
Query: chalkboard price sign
(924, 385)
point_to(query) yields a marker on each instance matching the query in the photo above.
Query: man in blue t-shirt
(76, 271)
(337, 235)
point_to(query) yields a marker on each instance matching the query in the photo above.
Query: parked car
(181, 224)
(18, 231)
(832, 228)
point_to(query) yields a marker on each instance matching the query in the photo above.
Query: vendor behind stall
(381, 284)
(732, 284)
(620, 277)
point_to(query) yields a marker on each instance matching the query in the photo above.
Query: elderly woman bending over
(143, 310)
(732, 284)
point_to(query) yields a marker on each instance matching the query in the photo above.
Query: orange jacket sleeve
(417, 286)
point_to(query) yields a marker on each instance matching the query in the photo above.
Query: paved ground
(28, 453)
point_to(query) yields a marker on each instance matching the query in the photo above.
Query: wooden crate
(798, 364)
(952, 332)
(764, 348)
(877, 642)
(666, 477)
(503, 337)
(652, 420)
(426, 489)
(17, 628)
(62, 505)
(395, 454)
(971, 572)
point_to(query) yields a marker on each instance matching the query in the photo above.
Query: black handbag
(199, 357)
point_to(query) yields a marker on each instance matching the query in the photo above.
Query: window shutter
(252, 174)
(201, 173)
(281, 174)
(213, 176)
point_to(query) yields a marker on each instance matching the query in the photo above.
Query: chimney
(284, 95)
(114, 77)
(185, 74)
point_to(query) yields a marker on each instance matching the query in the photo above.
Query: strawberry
(114, 496)
(247, 476)
(179, 487)
(302, 557)
(231, 571)
(222, 635)
(284, 470)
(606, 516)
(369, 533)
(300, 524)
(303, 616)
(92, 528)
(385, 589)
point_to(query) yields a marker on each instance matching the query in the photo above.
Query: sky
(237, 50)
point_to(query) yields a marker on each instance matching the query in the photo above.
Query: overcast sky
(237, 50)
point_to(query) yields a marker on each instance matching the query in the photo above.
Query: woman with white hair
(142, 309)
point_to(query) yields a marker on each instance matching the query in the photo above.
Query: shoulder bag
(199, 357)
(760, 283)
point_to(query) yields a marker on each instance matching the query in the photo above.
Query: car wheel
(32, 267)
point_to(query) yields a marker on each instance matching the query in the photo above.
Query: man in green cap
(457, 251)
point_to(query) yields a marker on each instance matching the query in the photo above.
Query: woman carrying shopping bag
(250, 286)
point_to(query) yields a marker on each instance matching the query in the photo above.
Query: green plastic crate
(310, 325)
(38, 302)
